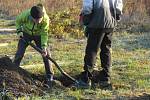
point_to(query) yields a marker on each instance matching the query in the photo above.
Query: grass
(130, 72)
(7, 23)
(130, 52)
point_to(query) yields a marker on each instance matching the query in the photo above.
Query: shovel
(76, 82)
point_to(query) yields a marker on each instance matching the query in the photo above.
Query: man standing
(100, 18)
(33, 24)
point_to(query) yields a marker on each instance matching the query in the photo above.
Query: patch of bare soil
(17, 80)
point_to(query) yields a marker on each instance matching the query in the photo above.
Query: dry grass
(133, 6)
(10, 8)
(136, 12)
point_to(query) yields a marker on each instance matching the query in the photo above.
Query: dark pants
(98, 39)
(22, 45)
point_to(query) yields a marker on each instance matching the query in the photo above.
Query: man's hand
(118, 17)
(44, 53)
(81, 19)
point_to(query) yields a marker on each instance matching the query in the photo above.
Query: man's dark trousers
(99, 39)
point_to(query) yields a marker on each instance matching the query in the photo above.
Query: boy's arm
(44, 32)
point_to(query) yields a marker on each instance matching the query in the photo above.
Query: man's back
(103, 12)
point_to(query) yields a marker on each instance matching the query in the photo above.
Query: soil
(19, 81)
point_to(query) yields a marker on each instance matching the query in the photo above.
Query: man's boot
(104, 80)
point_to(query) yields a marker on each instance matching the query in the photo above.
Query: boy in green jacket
(33, 24)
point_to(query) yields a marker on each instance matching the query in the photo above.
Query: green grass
(130, 66)
(7, 23)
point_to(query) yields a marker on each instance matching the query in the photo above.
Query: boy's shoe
(49, 80)
(48, 83)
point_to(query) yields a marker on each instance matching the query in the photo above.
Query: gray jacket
(103, 12)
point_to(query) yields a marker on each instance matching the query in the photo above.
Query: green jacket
(41, 29)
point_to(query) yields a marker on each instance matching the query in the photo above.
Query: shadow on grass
(143, 96)
(133, 41)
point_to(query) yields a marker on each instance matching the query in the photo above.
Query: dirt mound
(20, 82)
(17, 80)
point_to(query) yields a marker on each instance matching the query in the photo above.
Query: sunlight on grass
(3, 44)
(36, 68)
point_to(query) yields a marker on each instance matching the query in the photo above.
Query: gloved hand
(20, 34)
(44, 53)
(20, 31)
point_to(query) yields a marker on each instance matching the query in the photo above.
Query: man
(33, 24)
(99, 17)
